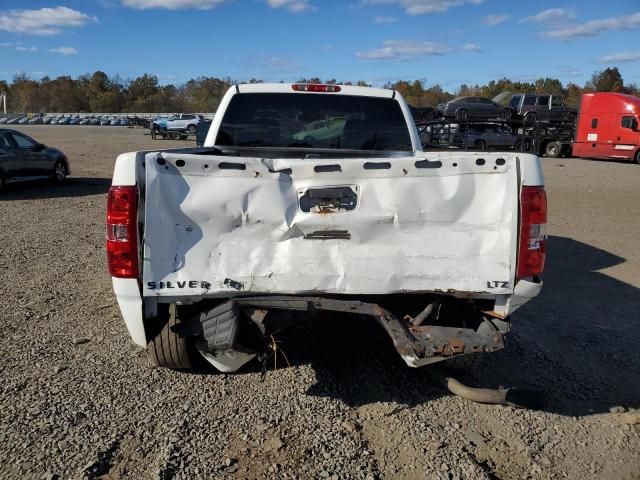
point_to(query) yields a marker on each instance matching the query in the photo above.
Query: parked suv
(532, 107)
(181, 121)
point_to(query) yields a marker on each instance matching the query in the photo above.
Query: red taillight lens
(315, 87)
(533, 226)
(122, 238)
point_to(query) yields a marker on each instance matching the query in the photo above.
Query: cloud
(420, 7)
(554, 15)
(594, 27)
(569, 71)
(27, 49)
(624, 57)
(472, 47)
(44, 21)
(295, 6)
(272, 64)
(403, 50)
(66, 51)
(173, 4)
(382, 19)
(492, 20)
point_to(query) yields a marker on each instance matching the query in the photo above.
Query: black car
(465, 108)
(23, 158)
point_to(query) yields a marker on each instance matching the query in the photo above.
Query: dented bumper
(418, 345)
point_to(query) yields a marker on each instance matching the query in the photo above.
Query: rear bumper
(417, 345)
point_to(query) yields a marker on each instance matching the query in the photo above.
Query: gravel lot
(79, 400)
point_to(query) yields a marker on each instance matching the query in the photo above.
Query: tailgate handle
(329, 200)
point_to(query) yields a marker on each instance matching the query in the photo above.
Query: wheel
(184, 137)
(506, 114)
(553, 150)
(192, 129)
(428, 116)
(60, 171)
(462, 114)
(522, 146)
(636, 160)
(169, 350)
(480, 145)
(530, 119)
(175, 136)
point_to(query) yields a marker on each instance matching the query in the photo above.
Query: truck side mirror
(634, 124)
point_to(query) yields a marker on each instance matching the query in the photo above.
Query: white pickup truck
(212, 249)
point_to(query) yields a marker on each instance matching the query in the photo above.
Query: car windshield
(286, 120)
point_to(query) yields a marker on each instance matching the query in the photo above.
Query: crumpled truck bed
(226, 226)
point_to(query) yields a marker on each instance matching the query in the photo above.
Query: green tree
(607, 80)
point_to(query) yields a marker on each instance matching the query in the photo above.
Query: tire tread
(169, 350)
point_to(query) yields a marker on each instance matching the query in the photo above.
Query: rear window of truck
(299, 120)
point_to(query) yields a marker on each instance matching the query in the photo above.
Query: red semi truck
(608, 127)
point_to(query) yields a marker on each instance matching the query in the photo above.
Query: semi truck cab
(609, 127)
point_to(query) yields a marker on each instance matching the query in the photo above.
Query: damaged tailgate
(224, 226)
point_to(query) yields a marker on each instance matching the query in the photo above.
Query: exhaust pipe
(513, 397)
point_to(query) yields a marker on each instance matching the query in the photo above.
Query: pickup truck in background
(213, 249)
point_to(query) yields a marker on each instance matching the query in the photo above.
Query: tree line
(99, 92)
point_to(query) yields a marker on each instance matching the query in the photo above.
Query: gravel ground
(79, 400)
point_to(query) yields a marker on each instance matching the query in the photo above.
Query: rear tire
(506, 114)
(192, 129)
(636, 160)
(167, 349)
(480, 145)
(428, 116)
(553, 150)
(462, 114)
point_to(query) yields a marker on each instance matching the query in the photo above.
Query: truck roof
(609, 102)
(287, 88)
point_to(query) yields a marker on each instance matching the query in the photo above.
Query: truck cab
(609, 127)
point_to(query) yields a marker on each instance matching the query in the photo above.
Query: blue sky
(439, 41)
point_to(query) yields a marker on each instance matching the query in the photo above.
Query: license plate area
(326, 200)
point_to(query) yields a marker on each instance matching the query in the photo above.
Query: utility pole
(3, 97)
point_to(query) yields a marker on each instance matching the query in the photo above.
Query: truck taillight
(122, 238)
(533, 234)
